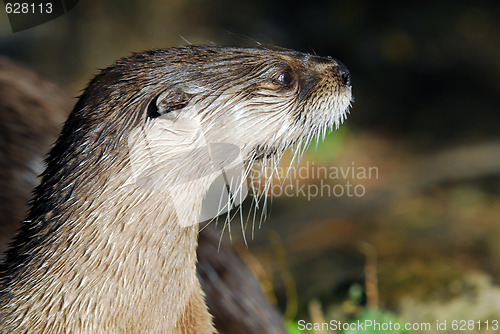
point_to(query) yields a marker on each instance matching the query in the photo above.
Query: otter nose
(344, 73)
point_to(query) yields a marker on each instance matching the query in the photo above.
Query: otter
(32, 111)
(109, 244)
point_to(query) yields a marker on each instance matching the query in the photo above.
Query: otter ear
(171, 99)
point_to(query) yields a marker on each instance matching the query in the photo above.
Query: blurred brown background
(423, 240)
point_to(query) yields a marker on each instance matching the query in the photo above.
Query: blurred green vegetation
(379, 319)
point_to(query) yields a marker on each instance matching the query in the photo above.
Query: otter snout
(344, 73)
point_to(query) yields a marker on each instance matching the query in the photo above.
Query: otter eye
(285, 78)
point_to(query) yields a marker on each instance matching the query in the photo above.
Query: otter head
(260, 99)
(190, 113)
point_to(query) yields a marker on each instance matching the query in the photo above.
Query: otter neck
(117, 260)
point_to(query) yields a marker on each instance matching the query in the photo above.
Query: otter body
(109, 245)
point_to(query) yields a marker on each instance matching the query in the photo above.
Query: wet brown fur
(100, 255)
(32, 112)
